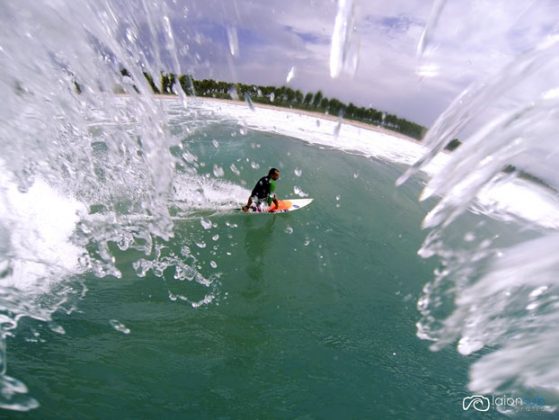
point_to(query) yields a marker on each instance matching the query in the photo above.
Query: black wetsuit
(262, 189)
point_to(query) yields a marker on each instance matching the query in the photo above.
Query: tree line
(282, 96)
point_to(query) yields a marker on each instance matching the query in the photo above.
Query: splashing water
(343, 51)
(233, 41)
(119, 326)
(82, 168)
(489, 294)
(436, 10)
(290, 75)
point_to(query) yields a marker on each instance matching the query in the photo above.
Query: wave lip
(491, 296)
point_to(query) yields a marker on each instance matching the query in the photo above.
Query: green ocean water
(313, 313)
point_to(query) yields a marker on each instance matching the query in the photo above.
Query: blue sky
(259, 41)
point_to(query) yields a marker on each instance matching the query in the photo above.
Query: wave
(497, 299)
(82, 169)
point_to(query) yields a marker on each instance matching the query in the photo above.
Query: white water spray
(81, 168)
(499, 297)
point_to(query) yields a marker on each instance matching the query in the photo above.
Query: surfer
(263, 191)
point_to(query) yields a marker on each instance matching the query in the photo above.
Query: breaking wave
(495, 298)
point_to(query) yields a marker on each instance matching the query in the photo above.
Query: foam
(37, 226)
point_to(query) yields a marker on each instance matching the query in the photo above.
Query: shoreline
(312, 114)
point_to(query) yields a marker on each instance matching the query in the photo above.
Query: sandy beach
(317, 115)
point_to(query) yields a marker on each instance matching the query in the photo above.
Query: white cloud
(470, 40)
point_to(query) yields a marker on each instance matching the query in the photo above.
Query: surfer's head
(274, 174)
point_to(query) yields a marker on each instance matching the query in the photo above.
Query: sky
(260, 41)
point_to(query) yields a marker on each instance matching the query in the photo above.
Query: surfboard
(285, 206)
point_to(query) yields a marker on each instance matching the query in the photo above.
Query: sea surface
(308, 315)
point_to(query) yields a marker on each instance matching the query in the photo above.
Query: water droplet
(355, 175)
(235, 170)
(337, 129)
(206, 224)
(298, 172)
(532, 306)
(289, 230)
(469, 237)
(341, 37)
(233, 41)
(215, 143)
(539, 291)
(119, 326)
(215, 237)
(54, 327)
(201, 244)
(254, 165)
(249, 102)
(189, 157)
(130, 35)
(290, 75)
(232, 92)
(425, 38)
(218, 171)
(213, 264)
(298, 191)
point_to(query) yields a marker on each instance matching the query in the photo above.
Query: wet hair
(272, 171)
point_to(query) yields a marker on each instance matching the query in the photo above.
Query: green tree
(316, 99)
(289, 95)
(298, 97)
(308, 99)
(149, 79)
(187, 85)
(167, 83)
(335, 107)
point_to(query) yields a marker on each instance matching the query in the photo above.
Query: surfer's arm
(249, 202)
